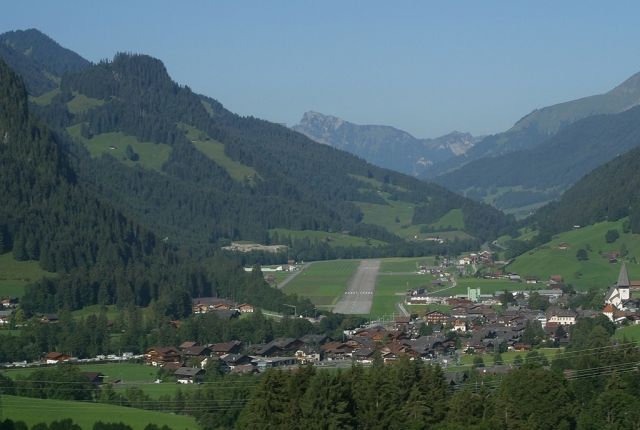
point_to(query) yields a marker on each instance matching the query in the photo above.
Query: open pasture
(323, 282)
(597, 271)
(85, 414)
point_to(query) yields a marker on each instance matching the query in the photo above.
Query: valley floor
(359, 295)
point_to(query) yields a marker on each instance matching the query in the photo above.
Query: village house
(5, 316)
(197, 352)
(270, 362)
(232, 361)
(158, 356)
(220, 349)
(336, 351)
(279, 346)
(189, 375)
(436, 317)
(561, 316)
(49, 318)
(245, 308)
(202, 305)
(459, 325)
(56, 358)
(308, 354)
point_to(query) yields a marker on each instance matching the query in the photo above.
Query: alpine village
(167, 264)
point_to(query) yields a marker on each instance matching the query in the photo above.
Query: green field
(405, 265)
(466, 360)
(596, 272)
(128, 375)
(85, 414)
(452, 220)
(323, 282)
(395, 217)
(630, 333)
(488, 286)
(125, 372)
(423, 309)
(45, 98)
(333, 239)
(392, 289)
(81, 103)
(214, 150)
(152, 155)
(15, 275)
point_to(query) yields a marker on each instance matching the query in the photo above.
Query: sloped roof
(623, 277)
(188, 371)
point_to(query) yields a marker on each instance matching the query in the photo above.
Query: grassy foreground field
(596, 272)
(85, 414)
(630, 333)
(15, 275)
(323, 282)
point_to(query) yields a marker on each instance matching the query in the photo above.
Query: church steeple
(623, 277)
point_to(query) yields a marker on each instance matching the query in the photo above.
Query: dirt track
(359, 295)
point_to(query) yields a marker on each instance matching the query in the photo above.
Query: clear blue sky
(426, 67)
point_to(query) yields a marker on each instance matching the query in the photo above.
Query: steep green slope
(227, 177)
(47, 214)
(610, 192)
(540, 174)
(594, 272)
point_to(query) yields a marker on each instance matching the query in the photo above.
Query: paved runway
(358, 297)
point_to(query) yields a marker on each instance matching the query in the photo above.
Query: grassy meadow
(81, 103)
(487, 286)
(15, 275)
(630, 333)
(405, 264)
(595, 272)
(323, 282)
(152, 156)
(85, 414)
(214, 150)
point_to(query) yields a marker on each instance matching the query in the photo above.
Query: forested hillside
(536, 127)
(101, 255)
(542, 173)
(199, 175)
(609, 193)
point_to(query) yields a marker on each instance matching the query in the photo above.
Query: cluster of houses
(619, 305)
(222, 308)
(188, 361)
(7, 308)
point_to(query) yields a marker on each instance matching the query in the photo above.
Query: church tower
(623, 283)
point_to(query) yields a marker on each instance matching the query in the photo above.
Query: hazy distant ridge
(383, 145)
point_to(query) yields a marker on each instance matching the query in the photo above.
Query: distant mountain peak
(384, 145)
